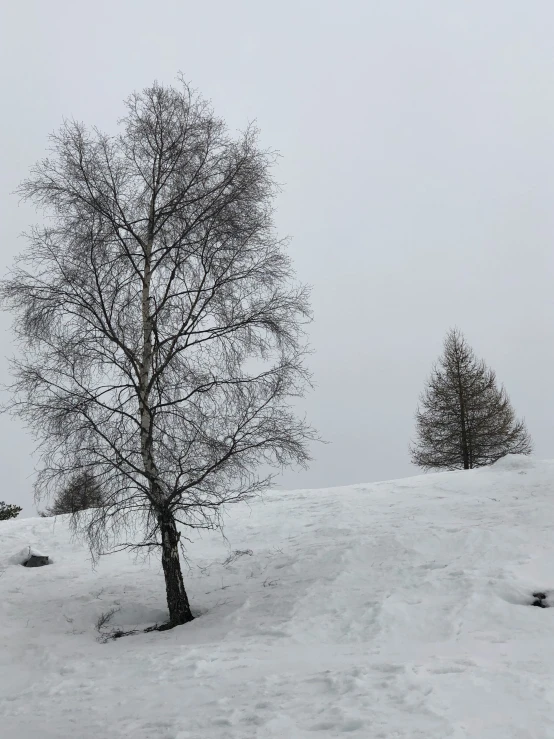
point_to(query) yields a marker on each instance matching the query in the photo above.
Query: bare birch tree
(160, 327)
(465, 419)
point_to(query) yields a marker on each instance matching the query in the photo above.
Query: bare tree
(80, 493)
(160, 327)
(465, 419)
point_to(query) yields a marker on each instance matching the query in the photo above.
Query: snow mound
(26, 553)
(398, 609)
(514, 462)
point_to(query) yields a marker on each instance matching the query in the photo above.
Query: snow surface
(391, 610)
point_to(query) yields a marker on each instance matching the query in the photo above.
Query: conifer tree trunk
(463, 426)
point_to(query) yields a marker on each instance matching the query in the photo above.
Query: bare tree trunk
(146, 364)
(177, 600)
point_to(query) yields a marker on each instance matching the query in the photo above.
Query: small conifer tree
(81, 493)
(9, 511)
(465, 419)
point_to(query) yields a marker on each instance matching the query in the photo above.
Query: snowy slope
(390, 610)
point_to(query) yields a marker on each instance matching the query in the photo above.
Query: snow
(386, 611)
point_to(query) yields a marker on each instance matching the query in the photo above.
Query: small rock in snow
(37, 560)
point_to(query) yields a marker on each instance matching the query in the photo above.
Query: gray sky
(418, 169)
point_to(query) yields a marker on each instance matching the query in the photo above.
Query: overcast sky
(417, 143)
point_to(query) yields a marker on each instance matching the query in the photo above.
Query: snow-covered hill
(392, 610)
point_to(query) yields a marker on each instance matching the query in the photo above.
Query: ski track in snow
(392, 610)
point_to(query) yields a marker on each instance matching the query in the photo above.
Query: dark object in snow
(107, 636)
(540, 600)
(37, 560)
